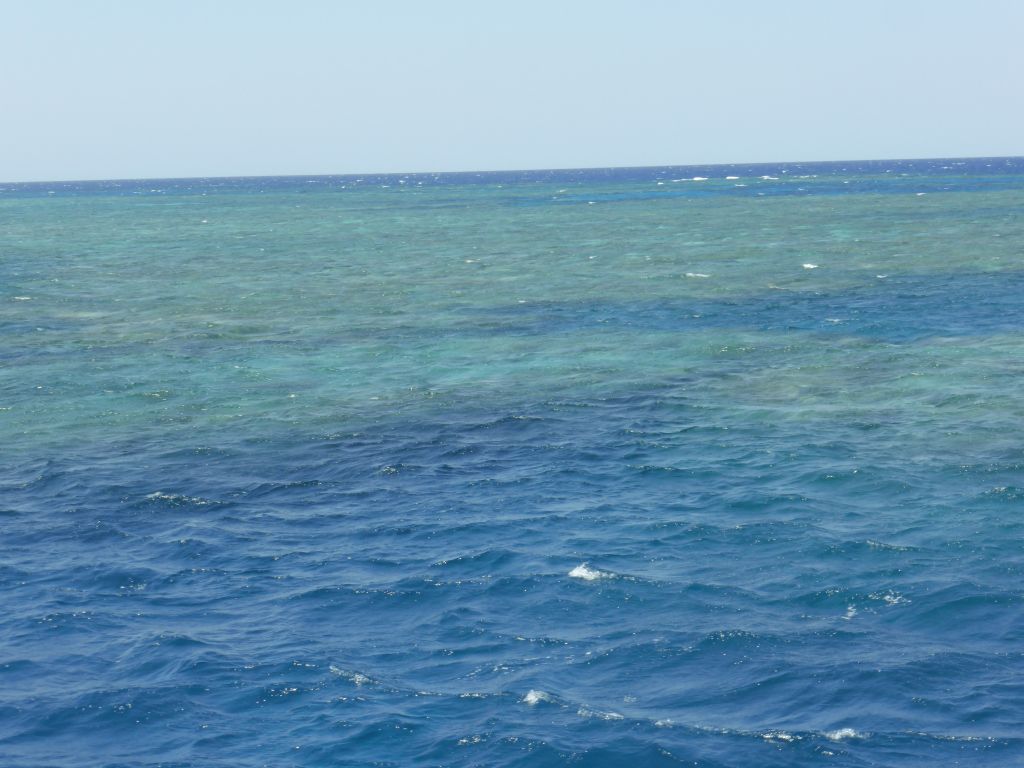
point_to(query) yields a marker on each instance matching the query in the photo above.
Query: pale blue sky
(148, 88)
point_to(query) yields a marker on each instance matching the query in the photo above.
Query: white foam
(809, 266)
(584, 712)
(731, 178)
(851, 611)
(889, 597)
(357, 678)
(700, 178)
(882, 545)
(780, 736)
(696, 274)
(177, 497)
(585, 572)
(23, 298)
(534, 697)
(843, 733)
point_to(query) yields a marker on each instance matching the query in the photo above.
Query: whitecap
(882, 545)
(23, 298)
(696, 274)
(843, 733)
(356, 678)
(700, 178)
(177, 498)
(779, 736)
(731, 178)
(809, 266)
(889, 597)
(585, 572)
(584, 712)
(534, 697)
(851, 611)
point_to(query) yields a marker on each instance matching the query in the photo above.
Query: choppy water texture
(597, 468)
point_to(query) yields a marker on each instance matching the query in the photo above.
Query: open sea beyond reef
(593, 468)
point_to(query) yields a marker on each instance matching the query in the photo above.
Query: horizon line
(510, 170)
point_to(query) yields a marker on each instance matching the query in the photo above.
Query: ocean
(702, 466)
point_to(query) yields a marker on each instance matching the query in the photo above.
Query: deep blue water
(519, 469)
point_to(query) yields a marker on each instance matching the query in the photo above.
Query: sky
(115, 89)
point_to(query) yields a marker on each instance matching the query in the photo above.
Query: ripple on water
(683, 502)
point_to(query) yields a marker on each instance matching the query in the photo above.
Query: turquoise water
(562, 467)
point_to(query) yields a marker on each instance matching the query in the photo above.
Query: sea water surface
(713, 466)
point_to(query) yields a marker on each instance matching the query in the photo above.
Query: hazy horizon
(457, 171)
